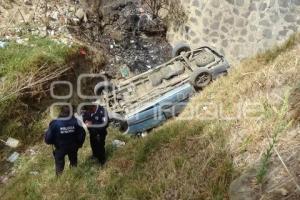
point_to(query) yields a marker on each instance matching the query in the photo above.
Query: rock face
(238, 28)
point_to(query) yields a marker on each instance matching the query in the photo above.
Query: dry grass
(186, 159)
(178, 161)
(27, 70)
(264, 84)
(182, 160)
(294, 109)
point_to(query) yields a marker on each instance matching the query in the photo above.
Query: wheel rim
(202, 79)
(183, 50)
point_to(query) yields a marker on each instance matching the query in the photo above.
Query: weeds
(180, 160)
(271, 54)
(280, 127)
(23, 66)
(263, 169)
(25, 58)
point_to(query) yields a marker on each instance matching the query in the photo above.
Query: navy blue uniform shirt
(65, 134)
(99, 120)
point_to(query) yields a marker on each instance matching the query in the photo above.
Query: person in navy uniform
(67, 135)
(96, 119)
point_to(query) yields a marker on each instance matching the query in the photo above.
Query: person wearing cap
(67, 135)
(96, 118)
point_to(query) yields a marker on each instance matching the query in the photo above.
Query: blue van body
(157, 112)
(146, 100)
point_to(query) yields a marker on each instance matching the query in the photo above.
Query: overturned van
(145, 101)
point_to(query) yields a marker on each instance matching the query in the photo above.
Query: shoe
(102, 162)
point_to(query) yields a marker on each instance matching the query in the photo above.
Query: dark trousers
(59, 156)
(97, 140)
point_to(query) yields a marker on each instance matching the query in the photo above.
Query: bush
(27, 70)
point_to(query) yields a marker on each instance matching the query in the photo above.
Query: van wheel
(180, 48)
(103, 86)
(200, 79)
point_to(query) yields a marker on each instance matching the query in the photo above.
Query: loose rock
(54, 16)
(283, 191)
(81, 15)
(28, 2)
(118, 143)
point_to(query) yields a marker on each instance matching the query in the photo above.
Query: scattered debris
(13, 157)
(118, 143)
(54, 16)
(22, 41)
(125, 71)
(31, 152)
(34, 173)
(11, 142)
(283, 191)
(123, 30)
(2, 44)
(28, 2)
(126, 31)
(6, 176)
(81, 15)
(3, 179)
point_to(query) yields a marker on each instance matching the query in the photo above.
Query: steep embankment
(234, 124)
(125, 30)
(28, 66)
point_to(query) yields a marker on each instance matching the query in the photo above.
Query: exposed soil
(128, 34)
(122, 35)
(125, 31)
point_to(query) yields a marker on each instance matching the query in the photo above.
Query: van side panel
(154, 115)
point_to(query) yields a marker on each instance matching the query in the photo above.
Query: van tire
(103, 86)
(200, 78)
(179, 48)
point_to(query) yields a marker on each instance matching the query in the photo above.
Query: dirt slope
(198, 155)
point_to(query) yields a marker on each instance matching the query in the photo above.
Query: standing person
(67, 135)
(96, 119)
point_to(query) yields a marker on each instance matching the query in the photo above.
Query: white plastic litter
(13, 157)
(14, 143)
(118, 143)
(2, 44)
(22, 41)
(11, 142)
(34, 173)
(144, 134)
